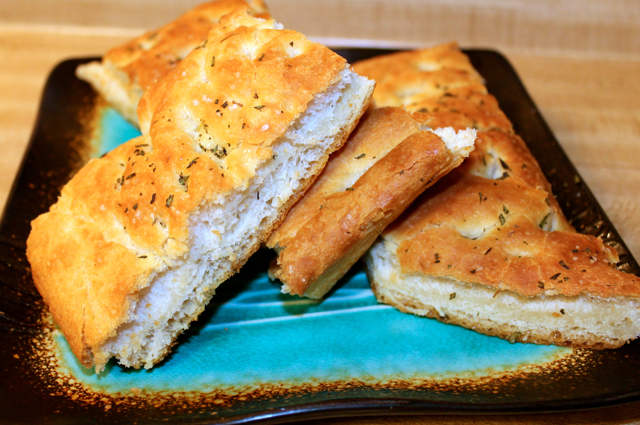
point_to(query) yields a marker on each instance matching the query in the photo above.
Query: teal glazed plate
(257, 355)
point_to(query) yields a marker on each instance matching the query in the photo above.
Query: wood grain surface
(580, 62)
(592, 28)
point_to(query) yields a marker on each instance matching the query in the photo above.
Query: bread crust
(387, 162)
(124, 218)
(493, 221)
(497, 240)
(128, 70)
(408, 78)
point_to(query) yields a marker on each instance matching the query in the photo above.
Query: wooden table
(592, 106)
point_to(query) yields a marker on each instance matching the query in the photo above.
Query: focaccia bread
(140, 239)
(488, 247)
(126, 71)
(387, 162)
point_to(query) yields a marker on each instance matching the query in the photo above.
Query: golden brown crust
(379, 131)
(125, 217)
(463, 107)
(485, 223)
(493, 221)
(77, 251)
(408, 78)
(439, 83)
(128, 70)
(384, 166)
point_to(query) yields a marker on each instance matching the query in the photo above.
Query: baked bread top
(494, 220)
(504, 232)
(147, 58)
(380, 130)
(408, 78)
(124, 218)
(126, 71)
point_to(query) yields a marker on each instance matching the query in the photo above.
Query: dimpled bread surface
(127, 71)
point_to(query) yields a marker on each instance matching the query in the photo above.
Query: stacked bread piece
(387, 162)
(127, 71)
(140, 239)
(488, 247)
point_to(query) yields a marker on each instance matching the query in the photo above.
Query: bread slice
(387, 162)
(140, 239)
(126, 71)
(488, 247)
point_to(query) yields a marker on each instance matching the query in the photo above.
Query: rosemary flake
(228, 37)
(544, 220)
(219, 152)
(194, 161)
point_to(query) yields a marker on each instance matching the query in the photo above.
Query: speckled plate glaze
(257, 355)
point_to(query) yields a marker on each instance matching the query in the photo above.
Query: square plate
(258, 355)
